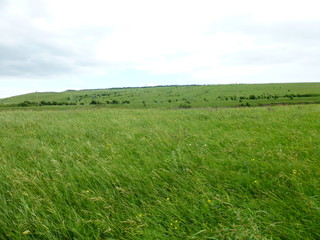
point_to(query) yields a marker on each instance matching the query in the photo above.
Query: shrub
(183, 105)
(24, 104)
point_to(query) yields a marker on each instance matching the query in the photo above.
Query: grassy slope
(195, 96)
(161, 174)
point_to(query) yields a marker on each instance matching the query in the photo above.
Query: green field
(205, 96)
(104, 173)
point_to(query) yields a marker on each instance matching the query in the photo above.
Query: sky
(56, 45)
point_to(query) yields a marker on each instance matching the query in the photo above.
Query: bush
(183, 105)
(24, 104)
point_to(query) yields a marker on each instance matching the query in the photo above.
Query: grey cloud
(32, 62)
(26, 50)
(294, 42)
(278, 55)
(287, 31)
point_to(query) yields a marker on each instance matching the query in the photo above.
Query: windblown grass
(250, 173)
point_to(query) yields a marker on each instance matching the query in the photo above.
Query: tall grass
(250, 173)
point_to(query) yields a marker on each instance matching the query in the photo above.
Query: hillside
(177, 96)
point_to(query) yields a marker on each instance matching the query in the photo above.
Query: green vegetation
(100, 173)
(177, 96)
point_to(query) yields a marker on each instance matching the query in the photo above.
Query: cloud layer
(55, 44)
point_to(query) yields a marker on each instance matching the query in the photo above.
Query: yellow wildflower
(294, 171)
(26, 232)
(168, 199)
(209, 201)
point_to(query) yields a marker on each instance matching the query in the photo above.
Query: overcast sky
(55, 45)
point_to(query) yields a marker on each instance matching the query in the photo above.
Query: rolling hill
(195, 96)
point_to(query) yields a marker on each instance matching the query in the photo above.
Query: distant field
(208, 96)
(225, 173)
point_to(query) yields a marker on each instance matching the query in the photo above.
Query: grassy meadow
(104, 173)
